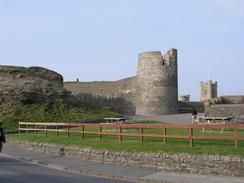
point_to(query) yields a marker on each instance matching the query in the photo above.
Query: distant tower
(157, 83)
(184, 98)
(208, 90)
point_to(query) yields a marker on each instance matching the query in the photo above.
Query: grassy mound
(52, 113)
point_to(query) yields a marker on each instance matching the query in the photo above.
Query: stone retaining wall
(174, 162)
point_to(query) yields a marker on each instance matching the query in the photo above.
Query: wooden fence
(101, 130)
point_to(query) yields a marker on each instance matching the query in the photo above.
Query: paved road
(183, 118)
(16, 171)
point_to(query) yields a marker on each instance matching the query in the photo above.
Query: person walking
(194, 116)
(2, 136)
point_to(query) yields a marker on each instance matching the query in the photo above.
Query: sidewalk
(108, 170)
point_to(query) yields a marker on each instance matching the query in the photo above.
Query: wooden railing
(69, 128)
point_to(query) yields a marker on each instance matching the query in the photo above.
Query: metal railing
(69, 128)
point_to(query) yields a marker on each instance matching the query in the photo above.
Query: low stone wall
(186, 107)
(234, 110)
(172, 162)
(239, 99)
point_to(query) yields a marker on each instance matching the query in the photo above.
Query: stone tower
(208, 90)
(157, 83)
(184, 98)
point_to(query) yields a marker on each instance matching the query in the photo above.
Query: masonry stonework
(157, 91)
(225, 106)
(184, 98)
(153, 91)
(208, 90)
(171, 162)
(118, 95)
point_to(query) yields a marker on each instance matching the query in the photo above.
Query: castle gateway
(154, 91)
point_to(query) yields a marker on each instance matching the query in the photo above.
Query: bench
(212, 120)
(114, 121)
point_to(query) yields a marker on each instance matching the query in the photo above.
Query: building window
(205, 92)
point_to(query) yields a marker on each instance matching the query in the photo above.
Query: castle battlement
(171, 55)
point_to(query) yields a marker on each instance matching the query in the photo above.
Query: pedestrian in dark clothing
(194, 112)
(194, 116)
(2, 137)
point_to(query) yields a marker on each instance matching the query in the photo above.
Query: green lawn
(221, 147)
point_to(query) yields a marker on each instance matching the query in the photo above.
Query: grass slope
(53, 113)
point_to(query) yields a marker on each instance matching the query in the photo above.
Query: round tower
(157, 83)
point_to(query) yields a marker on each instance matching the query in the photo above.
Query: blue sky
(101, 39)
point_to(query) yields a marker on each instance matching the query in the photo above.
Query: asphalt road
(16, 171)
(184, 118)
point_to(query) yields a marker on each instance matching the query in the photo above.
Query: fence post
(236, 137)
(120, 134)
(190, 137)
(27, 126)
(56, 130)
(100, 131)
(142, 138)
(165, 133)
(19, 128)
(67, 131)
(46, 130)
(35, 129)
(83, 134)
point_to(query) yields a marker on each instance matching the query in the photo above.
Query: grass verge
(133, 144)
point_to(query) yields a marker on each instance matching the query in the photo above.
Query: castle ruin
(154, 91)
(157, 83)
(184, 98)
(222, 106)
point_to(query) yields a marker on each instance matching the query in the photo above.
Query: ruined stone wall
(233, 99)
(184, 98)
(225, 106)
(153, 91)
(226, 110)
(33, 85)
(187, 107)
(119, 95)
(157, 83)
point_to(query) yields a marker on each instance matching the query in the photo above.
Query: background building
(208, 90)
